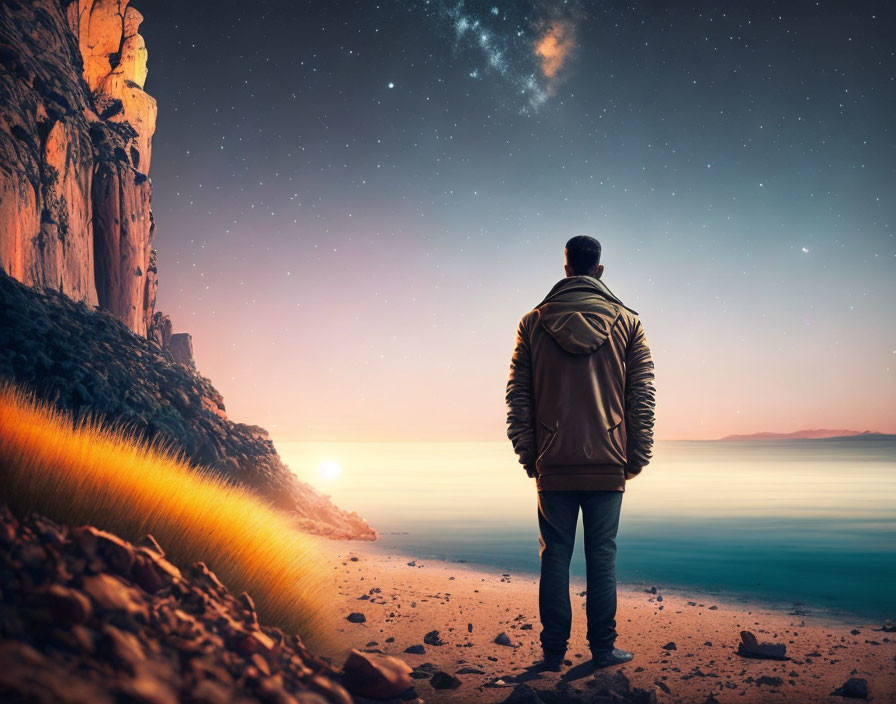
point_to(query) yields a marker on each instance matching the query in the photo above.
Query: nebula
(526, 45)
(554, 46)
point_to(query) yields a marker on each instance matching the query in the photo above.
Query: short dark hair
(583, 254)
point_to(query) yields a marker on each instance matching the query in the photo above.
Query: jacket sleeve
(521, 403)
(640, 401)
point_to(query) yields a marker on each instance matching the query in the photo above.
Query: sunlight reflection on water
(810, 520)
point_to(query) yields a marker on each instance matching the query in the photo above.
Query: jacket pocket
(616, 434)
(550, 436)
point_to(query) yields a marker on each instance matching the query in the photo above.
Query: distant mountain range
(806, 435)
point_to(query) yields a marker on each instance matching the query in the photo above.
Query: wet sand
(470, 607)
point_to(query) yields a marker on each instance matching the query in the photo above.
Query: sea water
(801, 524)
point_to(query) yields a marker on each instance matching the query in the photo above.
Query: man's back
(580, 395)
(580, 415)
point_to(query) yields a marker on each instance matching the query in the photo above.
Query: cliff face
(75, 147)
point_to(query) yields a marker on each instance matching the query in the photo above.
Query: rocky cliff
(75, 222)
(75, 147)
(87, 361)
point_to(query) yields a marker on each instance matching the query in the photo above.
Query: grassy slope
(82, 473)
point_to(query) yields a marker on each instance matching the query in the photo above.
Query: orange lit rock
(99, 27)
(376, 676)
(74, 197)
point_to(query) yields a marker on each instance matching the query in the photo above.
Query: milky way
(526, 45)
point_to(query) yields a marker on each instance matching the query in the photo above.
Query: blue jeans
(558, 513)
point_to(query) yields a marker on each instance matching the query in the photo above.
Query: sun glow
(330, 469)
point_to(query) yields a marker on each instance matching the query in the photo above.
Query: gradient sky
(357, 202)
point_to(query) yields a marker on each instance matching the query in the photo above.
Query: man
(580, 416)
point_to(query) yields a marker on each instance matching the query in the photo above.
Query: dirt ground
(685, 647)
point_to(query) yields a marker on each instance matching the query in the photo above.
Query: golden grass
(112, 479)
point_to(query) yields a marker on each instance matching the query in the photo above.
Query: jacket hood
(579, 312)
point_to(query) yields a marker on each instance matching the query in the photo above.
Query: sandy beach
(685, 647)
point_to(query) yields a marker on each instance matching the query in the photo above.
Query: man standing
(580, 416)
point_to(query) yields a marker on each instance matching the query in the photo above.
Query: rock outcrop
(75, 148)
(88, 617)
(86, 361)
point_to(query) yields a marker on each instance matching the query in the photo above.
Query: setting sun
(330, 469)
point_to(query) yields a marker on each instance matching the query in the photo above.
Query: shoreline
(403, 598)
(806, 609)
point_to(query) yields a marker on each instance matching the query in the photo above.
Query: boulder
(375, 676)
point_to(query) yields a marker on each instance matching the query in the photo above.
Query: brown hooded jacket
(580, 399)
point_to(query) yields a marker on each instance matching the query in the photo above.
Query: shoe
(551, 662)
(610, 658)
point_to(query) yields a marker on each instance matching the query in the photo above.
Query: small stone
(67, 605)
(124, 648)
(415, 649)
(118, 554)
(255, 642)
(145, 575)
(356, 617)
(110, 594)
(769, 681)
(259, 662)
(503, 639)
(433, 638)
(853, 688)
(670, 646)
(375, 676)
(442, 680)
(749, 647)
(469, 671)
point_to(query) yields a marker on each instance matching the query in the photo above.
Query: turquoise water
(808, 522)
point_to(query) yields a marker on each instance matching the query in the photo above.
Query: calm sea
(810, 523)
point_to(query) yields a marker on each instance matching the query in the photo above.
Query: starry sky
(356, 202)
